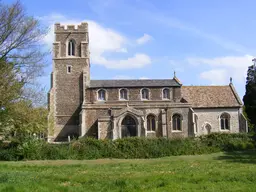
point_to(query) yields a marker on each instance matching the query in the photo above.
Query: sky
(204, 42)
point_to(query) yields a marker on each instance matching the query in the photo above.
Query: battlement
(83, 27)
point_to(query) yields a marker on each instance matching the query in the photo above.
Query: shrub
(56, 151)
(228, 142)
(31, 148)
(133, 147)
(9, 154)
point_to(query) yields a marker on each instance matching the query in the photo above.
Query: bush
(31, 148)
(10, 154)
(228, 142)
(133, 147)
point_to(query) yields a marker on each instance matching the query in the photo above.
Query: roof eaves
(235, 94)
(214, 107)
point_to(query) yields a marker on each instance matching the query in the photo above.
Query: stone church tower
(69, 79)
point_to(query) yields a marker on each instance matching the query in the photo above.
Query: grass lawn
(214, 172)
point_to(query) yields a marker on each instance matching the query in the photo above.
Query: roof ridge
(134, 83)
(128, 79)
(206, 85)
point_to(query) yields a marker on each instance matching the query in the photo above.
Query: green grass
(234, 171)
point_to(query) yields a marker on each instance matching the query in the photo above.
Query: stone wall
(68, 86)
(184, 113)
(105, 128)
(243, 123)
(212, 117)
(99, 117)
(134, 94)
(92, 117)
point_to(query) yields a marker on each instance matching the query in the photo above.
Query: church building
(112, 109)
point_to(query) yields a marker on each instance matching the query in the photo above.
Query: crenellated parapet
(83, 27)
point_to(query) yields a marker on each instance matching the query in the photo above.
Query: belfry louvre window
(176, 122)
(101, 95)
(71, 48)
(145, 94)
(225, 121)
(166, 93)
(151, 123)
(123, 94)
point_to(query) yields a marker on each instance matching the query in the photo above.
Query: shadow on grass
(239, 156)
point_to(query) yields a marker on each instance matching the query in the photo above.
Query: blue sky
(205, 42)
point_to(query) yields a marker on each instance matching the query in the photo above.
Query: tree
(21, 62)
(250, 96)
(10, 84)
(20, 40)
(24, 119)
(10, 89)
(21, 46)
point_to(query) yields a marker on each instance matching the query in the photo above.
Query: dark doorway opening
(129, 127)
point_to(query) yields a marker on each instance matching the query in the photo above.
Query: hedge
(133, 147)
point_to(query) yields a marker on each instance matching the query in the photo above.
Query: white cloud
(215, 76)
(105, 39)
(223, 67)
(144, 39)
(102, 40)
(227, 61)
(137, 61)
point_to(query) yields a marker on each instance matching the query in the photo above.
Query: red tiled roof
(211, 96)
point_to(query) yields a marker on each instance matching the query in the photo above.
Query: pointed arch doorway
(129, 127)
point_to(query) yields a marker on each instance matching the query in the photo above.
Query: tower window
(71, 47)
(69, 69)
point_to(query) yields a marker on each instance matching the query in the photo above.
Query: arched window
(151, 123)
(123, 95)
(176, 122)
(145, 94)
(166, 93)
(71, 47)
(225, 121)
(101, 95)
